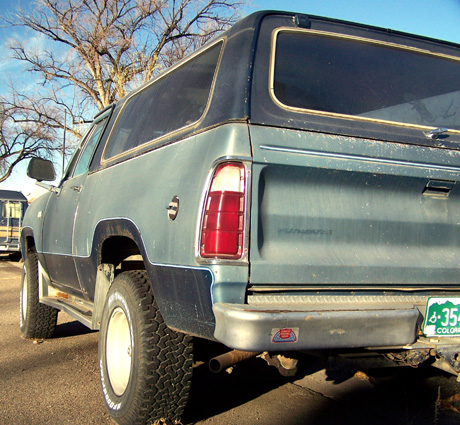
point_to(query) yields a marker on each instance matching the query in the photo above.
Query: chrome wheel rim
(118, 351)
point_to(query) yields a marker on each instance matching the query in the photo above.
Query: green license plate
(442, 317)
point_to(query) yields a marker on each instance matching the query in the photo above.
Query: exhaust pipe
(224, 361)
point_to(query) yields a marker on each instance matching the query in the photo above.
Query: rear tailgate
(331, 211)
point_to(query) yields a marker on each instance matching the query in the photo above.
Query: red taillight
(222, 229)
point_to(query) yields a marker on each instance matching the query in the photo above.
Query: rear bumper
(9, 247)
(263, 328)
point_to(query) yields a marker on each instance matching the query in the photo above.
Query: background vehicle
(13, 205)
(290, 187)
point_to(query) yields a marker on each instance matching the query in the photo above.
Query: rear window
(334, 75)
(176, 100)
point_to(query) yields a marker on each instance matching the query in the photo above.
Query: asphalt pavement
(56, 382)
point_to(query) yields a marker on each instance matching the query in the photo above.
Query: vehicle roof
(253, 20)
(249, 26)
(232, 96)
(11, 195)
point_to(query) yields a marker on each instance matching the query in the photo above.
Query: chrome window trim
(105, 160)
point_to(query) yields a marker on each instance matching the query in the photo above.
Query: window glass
(174, 101)
(88, 149)
(368, 80)
(12, 209)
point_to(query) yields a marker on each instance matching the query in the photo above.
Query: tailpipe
(224, 361)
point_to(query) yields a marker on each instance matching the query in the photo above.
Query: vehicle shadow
(15, 258)
(70, 328)
(252, 393)
(212, 394)
(397, 396)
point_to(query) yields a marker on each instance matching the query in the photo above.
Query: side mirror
(41, 169)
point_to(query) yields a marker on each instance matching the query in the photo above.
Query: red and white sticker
(285, 335)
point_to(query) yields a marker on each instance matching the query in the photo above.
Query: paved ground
(57, 382)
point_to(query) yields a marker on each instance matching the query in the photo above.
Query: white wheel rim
(118, 351)
(24, 295)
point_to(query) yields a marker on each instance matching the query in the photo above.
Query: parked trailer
(13, 205)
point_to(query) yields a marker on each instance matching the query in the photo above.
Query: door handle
(77, 188)
(438, 188)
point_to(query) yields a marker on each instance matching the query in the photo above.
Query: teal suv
(292, 186)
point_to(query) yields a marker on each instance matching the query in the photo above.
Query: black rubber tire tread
(40, 320)
(162, 359)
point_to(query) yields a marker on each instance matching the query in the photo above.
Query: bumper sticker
(284, 335)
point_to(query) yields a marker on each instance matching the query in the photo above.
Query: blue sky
(433, 18)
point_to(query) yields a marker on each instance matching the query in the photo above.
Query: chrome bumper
(265, 328)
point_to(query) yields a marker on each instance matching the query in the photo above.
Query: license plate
(442, 317)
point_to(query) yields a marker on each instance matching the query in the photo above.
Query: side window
(175, 101)
(88, 149)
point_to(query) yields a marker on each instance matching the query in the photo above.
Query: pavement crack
(315, 392)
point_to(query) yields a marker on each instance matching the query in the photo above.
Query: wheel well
(122, 252)
(29, 245)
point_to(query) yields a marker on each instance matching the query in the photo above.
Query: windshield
(328, 74)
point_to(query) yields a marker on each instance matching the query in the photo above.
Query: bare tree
(91, 53)
(105, 47)
(23, 135)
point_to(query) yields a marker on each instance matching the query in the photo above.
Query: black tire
(36, 320)
(145, 367)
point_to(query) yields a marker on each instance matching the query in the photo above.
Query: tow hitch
(447, 357)
(444, 353)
